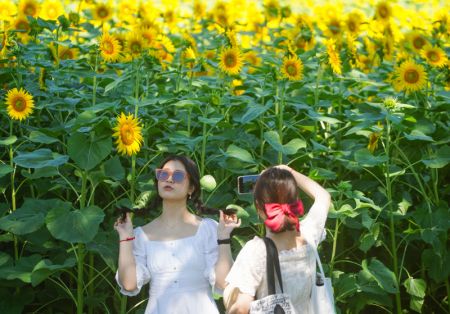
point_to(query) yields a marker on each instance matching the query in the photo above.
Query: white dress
(298, 265)
(180, 272)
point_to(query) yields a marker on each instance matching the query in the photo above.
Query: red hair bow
(276, 212)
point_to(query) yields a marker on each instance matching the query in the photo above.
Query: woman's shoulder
(208, 223)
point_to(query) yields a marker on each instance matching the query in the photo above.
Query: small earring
(190, 196)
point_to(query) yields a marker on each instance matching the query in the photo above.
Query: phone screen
(246, 183)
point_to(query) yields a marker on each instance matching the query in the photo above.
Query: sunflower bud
(390, 103)
(208, 182)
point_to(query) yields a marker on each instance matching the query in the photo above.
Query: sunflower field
(355, 94)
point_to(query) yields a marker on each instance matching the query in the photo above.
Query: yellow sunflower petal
(19, 103)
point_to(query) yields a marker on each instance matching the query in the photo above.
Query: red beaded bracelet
(127, 239)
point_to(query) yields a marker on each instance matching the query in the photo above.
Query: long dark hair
(276, 185)
(194, 181)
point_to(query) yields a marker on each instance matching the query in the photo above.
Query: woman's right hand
(124, 226)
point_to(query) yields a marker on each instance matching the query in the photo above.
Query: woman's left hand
(226, 224)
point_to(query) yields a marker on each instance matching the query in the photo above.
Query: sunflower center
(433, 56)
(230, 60)
(291, 69)
(418, 42)
(383, 12)
(127, 135)
(20, 104)
(108, 47)
(351, 26)
(22, 25)
(30, 10)
(411, 76)
(66, 54)
(135, 47)
(102, 12)
(334, 27)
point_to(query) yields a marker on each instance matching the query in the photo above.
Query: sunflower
(67, 53)
(292, 68)
(435, 56)
(251, 57)
(231, 60)
(149, 35)
(29, 8)
(109, 47)
(189, 57)
(373, 141)
(7, 10)
(199, 9)
(237, 87)
(164, 49)
(51, 9)
(411, 76)
(19, 103)
(134, 44)
(102, 12)
(129, 134)
(383, 11)
(417, 41)
(333, 56)
(353, 22)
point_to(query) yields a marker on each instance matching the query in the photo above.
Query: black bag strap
(272, 262)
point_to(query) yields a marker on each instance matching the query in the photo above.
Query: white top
(180, 272)
(298, 265)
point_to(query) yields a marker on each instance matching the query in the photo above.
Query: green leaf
(76, 226)
(8, 140)
(39, 137)
(290, 148)
(382, 275)
(365, 158)
(4, 258)
(439, 159)
(415, 287)
(418, 135)
(45, 268)
(22, 270)
(114, 169)
(240, 212)
(40, 158)
(253, 112)
(416, 304)
(88, 151)
(30, 217)
(239, 153)
(5, 169)
(105, 244)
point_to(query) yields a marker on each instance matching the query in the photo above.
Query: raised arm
(318, 212)
(224, 262)
(127, 263)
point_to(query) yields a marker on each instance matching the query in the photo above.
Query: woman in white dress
(182, 255)
(276, 199)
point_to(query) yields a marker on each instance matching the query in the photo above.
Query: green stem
(447, 285)
(81, 251)
(94, 83)
(13, 191)
(133, 178)
(91, 286)
(391, 216)
(203, 151)
(333, 252)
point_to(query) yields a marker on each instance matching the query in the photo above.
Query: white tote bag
(322, 300)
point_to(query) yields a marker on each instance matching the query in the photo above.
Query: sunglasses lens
(162, 175)
(178, 176)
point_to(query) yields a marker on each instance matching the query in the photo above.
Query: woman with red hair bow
(276, 200)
